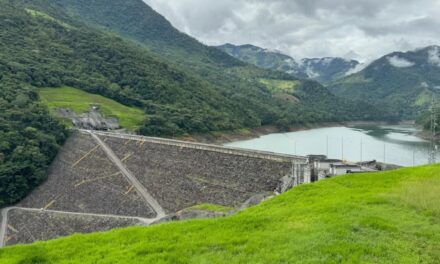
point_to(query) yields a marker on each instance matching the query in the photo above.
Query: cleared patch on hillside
(80, 102)
(82, 179)
(39, 14)
(280, 86)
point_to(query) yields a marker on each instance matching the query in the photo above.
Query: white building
(342, 169)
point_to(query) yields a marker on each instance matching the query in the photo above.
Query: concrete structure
(101, 181)
(322, 167)
(342, 169)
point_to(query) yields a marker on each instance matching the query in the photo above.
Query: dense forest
(29, 139)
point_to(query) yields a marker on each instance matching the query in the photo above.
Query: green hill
(391, 217)
(404, 82)
(135, 20)
(49, 50)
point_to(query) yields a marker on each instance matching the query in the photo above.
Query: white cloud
(434, 56)
(398, 62)
(357, 68)
(367, 29)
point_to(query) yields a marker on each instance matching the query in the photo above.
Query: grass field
(278, 86)
(391, 217)
(80, 101)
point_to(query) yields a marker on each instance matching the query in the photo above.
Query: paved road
(207, 147)
(160, 212)
(5, 212)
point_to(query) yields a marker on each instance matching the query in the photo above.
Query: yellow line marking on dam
(13, 229)
(127, 157)
(49, 205)
(95, 179)
(85, 156)
(129, 190)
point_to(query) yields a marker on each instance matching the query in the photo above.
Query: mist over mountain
(404, 81)
(324, 70)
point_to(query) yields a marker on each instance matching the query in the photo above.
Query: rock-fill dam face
(101, 181)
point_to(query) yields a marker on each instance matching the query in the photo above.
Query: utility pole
(342, 150)
(327, 146)
(414, 156)
(296, 153)
(433, 145)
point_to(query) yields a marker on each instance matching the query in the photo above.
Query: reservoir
(395, 144)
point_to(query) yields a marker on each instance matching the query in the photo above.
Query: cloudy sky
(360, 29)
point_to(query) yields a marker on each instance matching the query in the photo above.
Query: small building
(326, 164)
(342, 169)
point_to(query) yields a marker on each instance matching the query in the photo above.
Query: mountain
(135, 20)
(237, 81)
(132, 55)
(326, 70)
(41, 46)
(323, 70)
(264, 58)
(403, 81)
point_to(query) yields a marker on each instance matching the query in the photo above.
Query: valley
(110, 111)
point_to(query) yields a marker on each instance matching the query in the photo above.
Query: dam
(101, 180)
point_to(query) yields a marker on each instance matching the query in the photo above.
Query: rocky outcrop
(191, 214)
(92, 119)
(255, 200)
(286, 183)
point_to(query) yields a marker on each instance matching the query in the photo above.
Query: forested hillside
(38, 50)
(403, 81)
(194, 89)
(180, 84)
(46, 52)
(29, 138)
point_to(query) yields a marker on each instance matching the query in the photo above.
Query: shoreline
(223, 137)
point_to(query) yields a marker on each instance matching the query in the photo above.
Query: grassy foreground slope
(391, 217)
(80, 102)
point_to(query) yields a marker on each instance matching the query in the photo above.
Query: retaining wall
(181, 174)
(30, 226)
(82, 179)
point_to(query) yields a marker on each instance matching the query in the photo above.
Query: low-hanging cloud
(434, 56)
(360, 29)
(398, 62)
